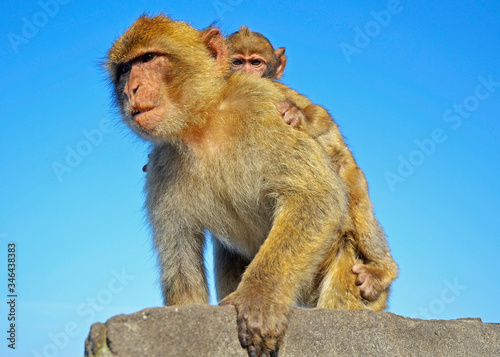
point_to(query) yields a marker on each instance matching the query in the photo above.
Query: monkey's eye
(124, 68)
(148, 57)
(237, 62)
(256, 62)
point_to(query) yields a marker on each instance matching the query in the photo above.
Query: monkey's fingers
(283, 107)
(367, 282)
(261, 342)
(242, 331)
(358, 269)
(243, 336)
(259, 331)
(249, 340)
(292, 115)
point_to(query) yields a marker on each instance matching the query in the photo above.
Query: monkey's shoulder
(249, 92)
(299, 99)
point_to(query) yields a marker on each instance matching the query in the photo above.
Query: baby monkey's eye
(237, 62)
(256, 62)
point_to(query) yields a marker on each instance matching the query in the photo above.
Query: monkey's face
(163, 73)
(253, 53)
(142, 91)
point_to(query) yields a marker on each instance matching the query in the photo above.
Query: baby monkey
(363, 249)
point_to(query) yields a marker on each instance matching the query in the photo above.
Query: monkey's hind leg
(376, 270)
(338, 289)
(229, 267)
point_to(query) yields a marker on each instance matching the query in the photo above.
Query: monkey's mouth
(137, 112)
(147, 118)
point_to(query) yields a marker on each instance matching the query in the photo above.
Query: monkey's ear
(213, 40)
(280, 55)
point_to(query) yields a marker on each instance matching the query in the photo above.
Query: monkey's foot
(292, 115)
(369, 281)
(261, 323)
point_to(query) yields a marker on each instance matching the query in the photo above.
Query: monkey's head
(253, 53)
(164, 72)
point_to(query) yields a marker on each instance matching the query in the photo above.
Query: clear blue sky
(417, 96)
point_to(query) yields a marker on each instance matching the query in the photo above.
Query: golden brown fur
(224, 160)
(246, 45)
(362, 246)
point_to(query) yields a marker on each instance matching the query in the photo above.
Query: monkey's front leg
(287, 259)
(180, 254)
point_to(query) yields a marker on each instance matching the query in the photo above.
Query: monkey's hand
(261, 322)
(370, 280)
(292, 115)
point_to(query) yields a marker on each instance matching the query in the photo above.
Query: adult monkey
(365, 251)
(276, 206)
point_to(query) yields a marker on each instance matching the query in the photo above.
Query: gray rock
(202, 330)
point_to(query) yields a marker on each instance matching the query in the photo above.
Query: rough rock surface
(201, 330)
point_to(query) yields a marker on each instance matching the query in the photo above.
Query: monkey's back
(263, 160)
